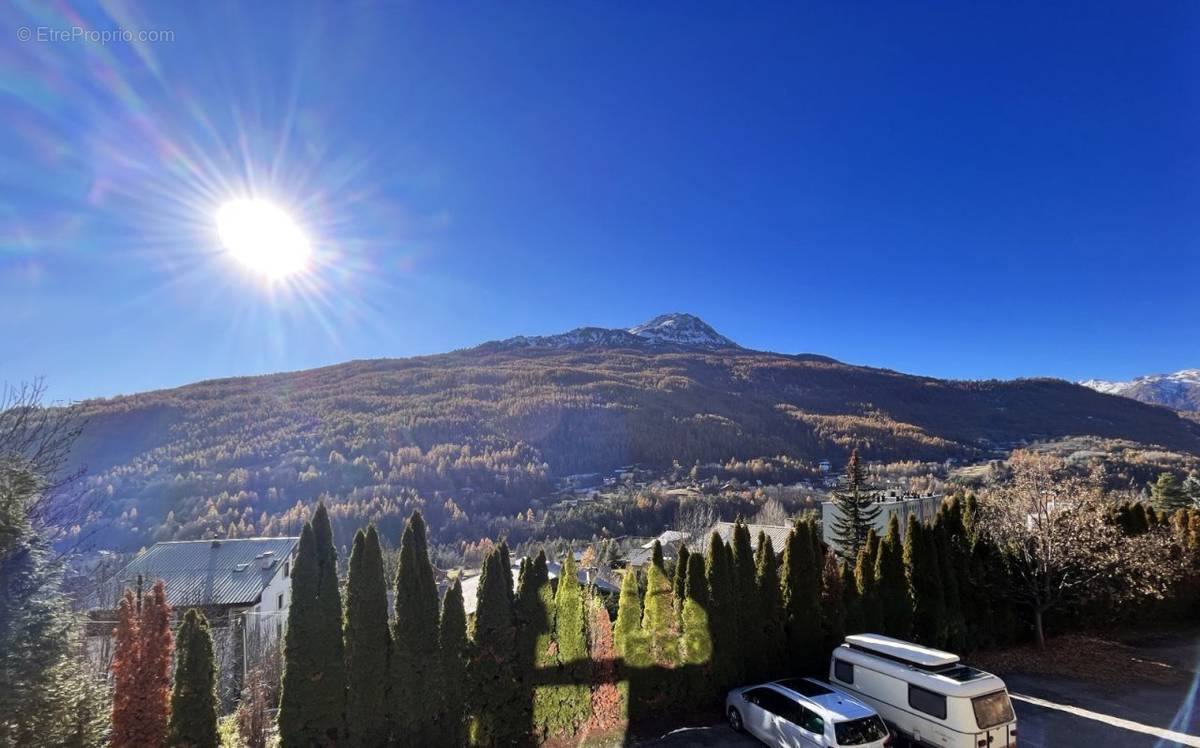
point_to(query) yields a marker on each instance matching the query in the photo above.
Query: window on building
(286, 564)
(933, 704)
(279, 601)
(843, 671)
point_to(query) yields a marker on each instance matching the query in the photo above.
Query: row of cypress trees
(528, 669)
(523, 672)
(351, 676)
(936, 584)
(728, 616)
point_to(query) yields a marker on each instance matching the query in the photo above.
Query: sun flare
(263, 237)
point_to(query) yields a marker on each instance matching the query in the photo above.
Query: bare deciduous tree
(695, 518)
(1055, 527)
(772, 513)
(41, 438)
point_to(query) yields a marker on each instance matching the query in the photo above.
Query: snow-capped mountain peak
(1180, 390)
(681, 329)
(686, 330)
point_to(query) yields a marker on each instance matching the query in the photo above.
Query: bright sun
(263, 237)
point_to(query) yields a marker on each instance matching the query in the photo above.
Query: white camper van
(926, 695)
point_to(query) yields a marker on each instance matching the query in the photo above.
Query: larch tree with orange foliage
(142, 669)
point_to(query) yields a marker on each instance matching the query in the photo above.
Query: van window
(758, 696)
(843, 671)
(992, 709)
(933, 704)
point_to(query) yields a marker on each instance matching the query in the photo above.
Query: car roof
(837, 705)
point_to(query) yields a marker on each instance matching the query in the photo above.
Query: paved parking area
(1061, 712)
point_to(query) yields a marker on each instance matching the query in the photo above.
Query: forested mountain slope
(484, 431)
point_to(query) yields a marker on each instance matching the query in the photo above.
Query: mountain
(675, 329)
(478, 436)
(1180, 390)
(681, 329)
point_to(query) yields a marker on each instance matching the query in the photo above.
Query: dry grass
(1083, 657)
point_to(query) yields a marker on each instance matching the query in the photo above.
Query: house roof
(777, 533)
(211, 572)
(668, 537)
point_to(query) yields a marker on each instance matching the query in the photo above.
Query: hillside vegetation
(484, 431)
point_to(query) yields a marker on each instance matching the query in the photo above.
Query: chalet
(228, 579)
(243, 586)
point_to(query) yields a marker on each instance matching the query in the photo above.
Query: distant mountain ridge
(477, 437)
(1180, 390)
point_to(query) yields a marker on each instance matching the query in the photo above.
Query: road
(1061, 713)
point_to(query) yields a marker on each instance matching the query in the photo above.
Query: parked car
(804, 713)
(927, 696)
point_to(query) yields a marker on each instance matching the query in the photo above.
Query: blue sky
(1000, 190)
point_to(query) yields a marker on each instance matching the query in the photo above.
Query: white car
(804, 713)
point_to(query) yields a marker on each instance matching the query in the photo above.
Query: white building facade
(891, 504)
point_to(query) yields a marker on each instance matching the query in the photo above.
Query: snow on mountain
(681, 329)
(1180, 390)
(685, 330)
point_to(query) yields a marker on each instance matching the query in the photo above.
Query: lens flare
(263, 237)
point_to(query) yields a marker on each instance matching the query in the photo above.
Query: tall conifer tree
(925, 584)
(769, 655)
(833, 602)
(894, 597)
(627, 632)
(679, 582)
(801, 595)
(312, 703)
(659, 624)
(535, 638)
(193, 722)
(851, 602)
(868, 585)
(452, 656)
(629, 641)
(696, 641)
(573, 696)
(141, 669)
(414, 637)
(42, 678)
(856, 510)
(497, 706)
(368, 644)
(951, 564)
(722, 613)
(749, 628)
